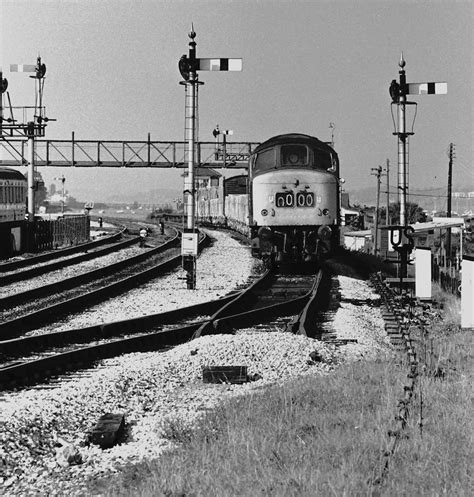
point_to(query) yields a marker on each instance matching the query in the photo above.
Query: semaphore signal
(398, 92)
(427, 88)
(188, 67)
(219, 64)
(35, 125)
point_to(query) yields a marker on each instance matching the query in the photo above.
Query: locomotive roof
(7, 173)
(311, 141)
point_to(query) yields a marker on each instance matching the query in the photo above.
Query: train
(13, 195)
(288, 204)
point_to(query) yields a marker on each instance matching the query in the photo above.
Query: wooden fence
(447, 275)
(49, 234)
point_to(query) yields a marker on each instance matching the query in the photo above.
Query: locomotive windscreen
(293, 151)
(294, 155)
(266, 159)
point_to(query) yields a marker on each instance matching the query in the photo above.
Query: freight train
(13, 194)
(289, 203)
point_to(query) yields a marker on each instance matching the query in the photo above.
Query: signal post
(188, 67)
(33, 128)
(399, 91)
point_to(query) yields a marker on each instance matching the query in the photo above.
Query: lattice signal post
(188, 67)
(30, 126)
(399, 92)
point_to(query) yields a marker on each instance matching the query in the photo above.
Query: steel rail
(302, 325)
(15, 327)
(53, 266)
(36, 370)
(293, 305)
(233, 315)
(81, 279)
(20, 347)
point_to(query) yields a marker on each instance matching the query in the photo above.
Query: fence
(47, 234)
(447, 276)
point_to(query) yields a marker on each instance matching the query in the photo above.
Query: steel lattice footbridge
(114, 153)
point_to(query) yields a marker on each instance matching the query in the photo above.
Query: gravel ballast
(156, 388)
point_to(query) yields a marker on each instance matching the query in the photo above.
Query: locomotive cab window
(294, 155)
(265, 160)
(322, 160)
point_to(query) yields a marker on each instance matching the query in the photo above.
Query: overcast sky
(112, 74)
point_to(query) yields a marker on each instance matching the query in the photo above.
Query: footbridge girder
(113, 153)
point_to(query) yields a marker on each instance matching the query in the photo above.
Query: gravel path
(154, 389)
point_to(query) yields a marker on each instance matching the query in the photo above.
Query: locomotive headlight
(325, 212)
(264, 212)
(265, 233)
(324, 232)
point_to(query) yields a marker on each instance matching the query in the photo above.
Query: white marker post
(188, 67)
(423, 273)
(467, 292)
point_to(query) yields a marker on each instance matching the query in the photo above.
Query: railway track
(57, 254)
(95, 286)
(269, 297)
(29, 267)
(65, 261)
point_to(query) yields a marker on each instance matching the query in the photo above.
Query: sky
(112, 74)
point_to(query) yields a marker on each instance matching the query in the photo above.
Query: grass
(323, 436)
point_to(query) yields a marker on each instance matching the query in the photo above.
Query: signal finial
(192, 33)
(402, 62)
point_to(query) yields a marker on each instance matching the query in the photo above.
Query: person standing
(143, 235)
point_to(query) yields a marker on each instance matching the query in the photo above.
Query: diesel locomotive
(294, 206)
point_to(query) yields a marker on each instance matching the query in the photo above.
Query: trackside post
(188, 67)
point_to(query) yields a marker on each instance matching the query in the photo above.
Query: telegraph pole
(188, 67)
(387, 214)
(378, 173)
(450, 183)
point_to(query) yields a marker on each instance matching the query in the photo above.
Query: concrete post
(467, 292)
(423, 273)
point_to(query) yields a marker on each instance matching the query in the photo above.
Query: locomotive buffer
(188, 67)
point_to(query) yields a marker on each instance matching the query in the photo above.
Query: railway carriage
(13, 194)
(294, 199)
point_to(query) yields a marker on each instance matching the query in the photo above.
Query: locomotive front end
(294, 199)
